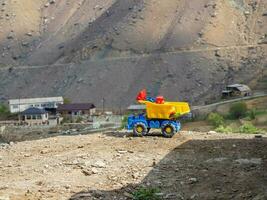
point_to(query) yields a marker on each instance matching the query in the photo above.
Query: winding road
(144, 55)
(254, 96)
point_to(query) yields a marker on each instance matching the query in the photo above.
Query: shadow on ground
(130, 134)
(203, 169)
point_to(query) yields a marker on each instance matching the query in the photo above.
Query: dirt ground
(192, 165)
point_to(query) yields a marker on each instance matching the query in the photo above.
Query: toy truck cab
(159, 115)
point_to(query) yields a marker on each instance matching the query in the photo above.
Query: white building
(20, 105)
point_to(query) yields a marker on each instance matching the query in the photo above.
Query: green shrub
(146, 194)
(4, 112)
(224, 129)
(124, 122)
(248, 128)
(252, 114)
(79, 120)
(66, 119)
(66, 100)
(238, 110)
(215, 119)
(4, 109)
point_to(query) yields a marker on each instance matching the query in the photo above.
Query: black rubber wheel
(168, 130)
(139, 129)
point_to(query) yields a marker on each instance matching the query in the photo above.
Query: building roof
(75, 106)
(240, 87)
(35, 100)
(226, 91)
(33, 111)
(136, 107)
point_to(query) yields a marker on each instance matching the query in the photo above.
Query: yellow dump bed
(164, 111)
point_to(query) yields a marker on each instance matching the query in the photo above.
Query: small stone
(75, 162)
(194, 196)
(89, 172)
(39, 183)
(212, 132)
(99, 164)
(86, 172)
(10, 37)
(213, 14)
(67, 186)
(217, 53)
(122, 151)
(25, 44)
(29, 34)
(94, 170)
(247, 12)
(135, 175)
(193, 180)
(44, 151)
(11, 143)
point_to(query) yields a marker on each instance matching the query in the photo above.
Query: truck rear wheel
(139, 129)
(168, 130)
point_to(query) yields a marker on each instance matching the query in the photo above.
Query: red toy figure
(160, 100)
(141, 95)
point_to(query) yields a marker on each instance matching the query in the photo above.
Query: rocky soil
(191, 165)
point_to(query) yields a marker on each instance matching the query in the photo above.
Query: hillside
(182, 49)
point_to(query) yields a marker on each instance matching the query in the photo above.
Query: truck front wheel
(139, 129)
(168, 130)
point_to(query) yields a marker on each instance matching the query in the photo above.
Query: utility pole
(103, 105)
(19, 111)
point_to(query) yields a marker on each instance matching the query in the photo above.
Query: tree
(67, 101)
(4, 109)
(238, 110)
(215, 119)
(4, 112)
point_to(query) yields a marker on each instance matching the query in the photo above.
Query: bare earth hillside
(182, 49)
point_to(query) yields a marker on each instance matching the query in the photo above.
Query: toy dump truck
(159, 115)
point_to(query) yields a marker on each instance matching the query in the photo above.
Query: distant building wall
(78, 112)
(35, 119)
(20, 105)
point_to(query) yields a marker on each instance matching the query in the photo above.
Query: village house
(47, 103)
(236, 90)
(77, 109)
(34, 116)
(136, 109)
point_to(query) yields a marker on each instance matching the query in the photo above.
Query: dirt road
(111, 166)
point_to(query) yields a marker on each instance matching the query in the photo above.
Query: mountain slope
(179, 48)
